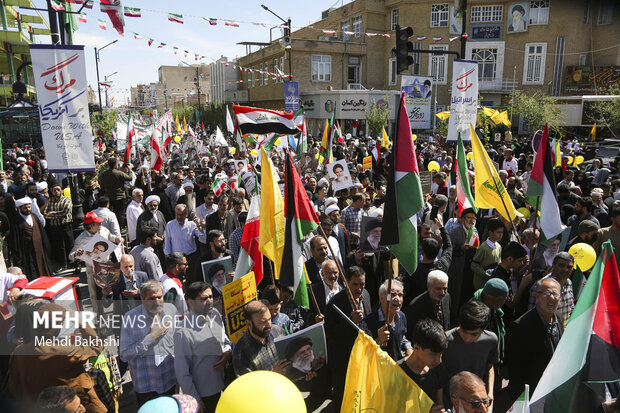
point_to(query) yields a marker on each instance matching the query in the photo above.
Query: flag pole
(533, 250)
(505, 207)
(314, 302)
(390, 275)
(344, 280)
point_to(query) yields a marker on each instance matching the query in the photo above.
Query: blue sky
(136, 62)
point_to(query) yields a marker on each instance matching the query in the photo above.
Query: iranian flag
(264, 121)
(300, 221)
(588, 354)
(132, 12)
(404, 196)
(131, 133)
(114, 10)
(102, 24)
(57, 5)
(174, 17)
(82, 17)
(542, 185)
(157, 157)
(250, 258)
(218, 186)
(463, 187)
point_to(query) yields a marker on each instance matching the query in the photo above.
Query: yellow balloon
(470, 156)
(233, 150)
(177, 139)
(578, 160)
(525, 212)
(67, 192)
(277, 142)
(261, 391)
(414, 137)
(254, 152)
(433, 166)
(569, 160)
(584, 255)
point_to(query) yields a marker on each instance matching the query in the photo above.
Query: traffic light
(403, 48)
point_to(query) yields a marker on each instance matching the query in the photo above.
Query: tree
(104, 123)
(606, 113)
(377, 117)
(536, 109)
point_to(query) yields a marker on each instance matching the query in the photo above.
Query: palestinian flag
(102, 24)
(404, 196)
(132, 12)
(300, 221)
(174, 17)
(264, 121)
(588, 354)
(131, 133)
(250, 258)
(463, 186)
(218, 186)
(521, 405)
(542, 184)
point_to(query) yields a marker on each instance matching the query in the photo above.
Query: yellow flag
(490, 192)
(443, 115)
(184, 124)
(593, 132)
(501, 117)
(488, 111)
(178, 126)
(375, 383)
(385, 141)
(325, 141)
(271, 233)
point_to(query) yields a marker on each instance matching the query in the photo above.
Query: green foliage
(104, 123)
(377, 117)
(187, 112)
(442, 126)
(607, 113)
(537, 108)
(214, 115)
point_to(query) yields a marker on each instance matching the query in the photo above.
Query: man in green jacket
(112, 183)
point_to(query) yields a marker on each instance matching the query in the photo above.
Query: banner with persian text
(60, 80)
(418, 95)
(464, 101)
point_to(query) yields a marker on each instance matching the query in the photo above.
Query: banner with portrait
(236, 296)
(464, 101)
(60, 79)
(306, 350)
(418, 96)
(518, 17)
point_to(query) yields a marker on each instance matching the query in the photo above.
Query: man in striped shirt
(59, 218)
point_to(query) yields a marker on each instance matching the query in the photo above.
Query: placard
(426, 180)
(418, 95)
(291, 96)
(236, 296)
(305, 349)
(60, 80)
(464, 101)
(367, 162)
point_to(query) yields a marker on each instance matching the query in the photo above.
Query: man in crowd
(468, 393)
(58, 214)
(319, 251)
(134, 210)
(30, 241)
(352, 219)
(126, 292)
(433, 304)
(112, 183)
(180, 236)
(325, 290)
(144, 255)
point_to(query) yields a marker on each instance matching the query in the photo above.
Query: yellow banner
(367, 164)
(236, 296)
(375, 383)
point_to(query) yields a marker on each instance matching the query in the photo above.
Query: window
(276, 75)
(321, 68)
(438, 64)
(260, 74)
(392, 71)
(439, 15)
(357, 26)
(534, 63)
(266, 74)
(605, 13)
(586, 12)
(354, 70)
(394, 19)
(345, 27)
(583, 59)
(539, 11)
(487, 63)
(482, 14)
(252, 74)
(416, 58)
(282, 67)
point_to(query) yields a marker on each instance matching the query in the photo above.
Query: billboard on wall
(418, 96)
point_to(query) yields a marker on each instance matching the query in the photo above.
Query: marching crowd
(478, 319)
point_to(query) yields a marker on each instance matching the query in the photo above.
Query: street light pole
(287, 32)
(97, 67)
(107, 87)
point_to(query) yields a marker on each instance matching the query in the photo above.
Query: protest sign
(418, 95)
(97, 248)
(106, 274)
(236, 296)
(464, 101)
(339, 175)
(367, 163)
(305, 349)
(426, 180)
(60, 80)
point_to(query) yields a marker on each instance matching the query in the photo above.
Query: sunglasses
(476, 404)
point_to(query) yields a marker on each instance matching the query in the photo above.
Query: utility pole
(463, 11)
(97, 67)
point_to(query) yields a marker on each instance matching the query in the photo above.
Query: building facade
(559, 47)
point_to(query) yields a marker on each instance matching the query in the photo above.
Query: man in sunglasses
(468, 393)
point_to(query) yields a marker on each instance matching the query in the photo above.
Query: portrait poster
(518, 15)
(456, 21)
(60, 80)
(305, 349)
(215, 272)
(236, 296)
(97, 249)
(418, 96)
(241, 165)
(371, 234)
(339, 175)
(464, 100)
(106, 274)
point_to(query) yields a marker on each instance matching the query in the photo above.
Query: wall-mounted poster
(456, 21)
(518, 13)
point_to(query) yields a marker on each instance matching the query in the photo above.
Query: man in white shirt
(109, 218)
(510, 164)
(209, 207)
(134, 209)
(180, 235)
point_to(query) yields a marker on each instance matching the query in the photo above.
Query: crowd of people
(478, 319)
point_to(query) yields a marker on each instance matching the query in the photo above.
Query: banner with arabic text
(418, 95)
(60, 80)
(237, 295)
(464, 101)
